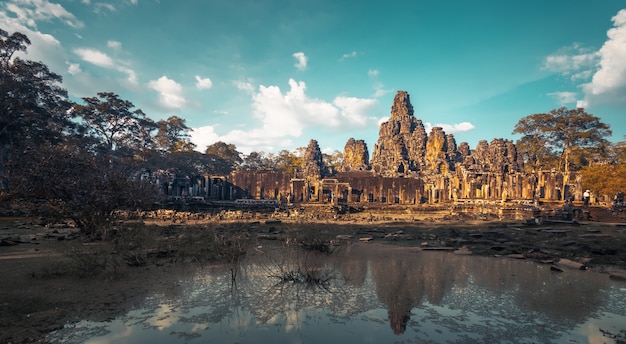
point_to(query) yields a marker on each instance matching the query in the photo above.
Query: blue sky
(273, 74)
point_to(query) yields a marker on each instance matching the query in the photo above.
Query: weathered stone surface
(356, 157)
(436, 149)
(313, 161)
(401, 140)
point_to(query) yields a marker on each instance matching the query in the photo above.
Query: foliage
(257, 160)
(333, 160)
(61, 182)
(284, 161)
(33, 106)
(605, 179)
(553, 136)
(173, 136)
(114, 122)
(289, 162)
(196, 163)
(617, 152)
(224, 157)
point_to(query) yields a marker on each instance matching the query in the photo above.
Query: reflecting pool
(368, 293)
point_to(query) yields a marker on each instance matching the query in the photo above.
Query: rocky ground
(39, 292)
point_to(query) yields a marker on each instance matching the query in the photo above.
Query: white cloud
(355, 110)
(244, 86)
(567, 64)
(348, 55)
(450, 128)
(170, 92)
(73, 68)
(380, 91)
(29, 12)
(101, 59)
(203, 83)
(286, 115)
(131, 75)
(563, 98)
(611, 75)
(582, 75)
(100, 7)
(602, 73)
(204, 136)
(372, 73)
(581, 104)
(115, 45)
(95, 57)
(302, 60)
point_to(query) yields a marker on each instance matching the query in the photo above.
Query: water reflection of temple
(404, 279)
(429, 296)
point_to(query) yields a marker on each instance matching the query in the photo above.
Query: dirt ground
(38, 295)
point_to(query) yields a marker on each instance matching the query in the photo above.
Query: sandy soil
(37, 296)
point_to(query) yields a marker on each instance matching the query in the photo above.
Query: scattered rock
(516, 256)
(438, 248)
(5, 242)
(555, 268)
(463, 251)
(618, 275)
(566, 263)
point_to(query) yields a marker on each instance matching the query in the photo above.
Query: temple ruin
(408, 166)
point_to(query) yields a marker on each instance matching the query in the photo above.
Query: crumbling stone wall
(262, 184)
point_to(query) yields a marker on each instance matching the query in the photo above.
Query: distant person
(586, 197)
(619, 198)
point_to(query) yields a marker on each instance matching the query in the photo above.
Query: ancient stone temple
(355, 156)
(408, 166)
(402, 141)
(313, 162)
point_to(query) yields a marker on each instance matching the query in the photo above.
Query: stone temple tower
(401, 142)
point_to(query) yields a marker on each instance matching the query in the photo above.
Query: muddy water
(372, 294)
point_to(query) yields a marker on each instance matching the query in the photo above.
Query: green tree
(558, 133)
(67, 182)
(617, 152)
(605, 179)
(33, 105)
(534, 145)
(113, 121)
(173, 135)
(288, 161)
(257, 160)
(333, 160)
(224, 153)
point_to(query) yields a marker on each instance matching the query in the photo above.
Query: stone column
(348, 199)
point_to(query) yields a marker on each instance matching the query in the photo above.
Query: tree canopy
(113, 121)
(549, 138)
(173, 135)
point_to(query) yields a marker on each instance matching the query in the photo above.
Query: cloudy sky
(273, 74)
